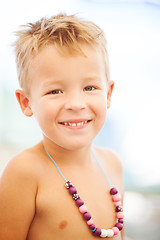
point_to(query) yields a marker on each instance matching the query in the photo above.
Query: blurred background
(132, 128)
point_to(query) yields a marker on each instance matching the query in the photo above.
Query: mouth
(75, 123)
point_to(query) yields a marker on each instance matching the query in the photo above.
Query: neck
(79, 157)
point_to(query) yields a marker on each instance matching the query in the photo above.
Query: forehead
(50, 61)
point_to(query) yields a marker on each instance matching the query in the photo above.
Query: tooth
(75, 124)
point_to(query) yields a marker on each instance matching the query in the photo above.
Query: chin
(70, 144)
(75, 147)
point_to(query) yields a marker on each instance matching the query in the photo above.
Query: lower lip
(76, 127)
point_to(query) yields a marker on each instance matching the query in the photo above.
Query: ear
(110, 90)
(24, 102)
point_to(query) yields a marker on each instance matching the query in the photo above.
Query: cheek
(100, 108)
(44, 113)
(101, 104)
(103, 114)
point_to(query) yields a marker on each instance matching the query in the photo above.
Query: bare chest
(58, 216)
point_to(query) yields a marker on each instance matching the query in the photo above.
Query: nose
(75, 102)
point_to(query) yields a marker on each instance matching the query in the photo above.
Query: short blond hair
(67, 33)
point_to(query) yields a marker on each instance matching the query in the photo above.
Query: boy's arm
(17, 200)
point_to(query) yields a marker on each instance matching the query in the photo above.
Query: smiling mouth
(75, 124)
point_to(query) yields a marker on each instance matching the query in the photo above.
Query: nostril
(75, 106)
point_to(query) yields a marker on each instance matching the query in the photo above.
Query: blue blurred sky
(133, 33)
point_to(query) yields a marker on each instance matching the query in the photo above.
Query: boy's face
(69, 96)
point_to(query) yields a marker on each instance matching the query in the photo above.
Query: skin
(34, 204)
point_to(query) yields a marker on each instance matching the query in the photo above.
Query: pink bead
(115, 230)
(83, 209)
(116, 197)
(117, 204)
(120, 215)
(90, 222)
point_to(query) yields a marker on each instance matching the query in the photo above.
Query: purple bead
(79, 202)
(113, 191)
(92, 226)
(119, 209)
(119, 226)
(97, 232)
(120, 220)
(72, 190)
(87, 216)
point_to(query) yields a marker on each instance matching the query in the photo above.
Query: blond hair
(67, 33)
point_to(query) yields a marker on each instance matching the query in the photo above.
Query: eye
(54, 92)
(89, 88)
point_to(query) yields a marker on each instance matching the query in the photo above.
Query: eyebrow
(92, 78)
(51, 82)
(59, 81)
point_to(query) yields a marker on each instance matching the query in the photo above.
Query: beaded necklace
(83, 209)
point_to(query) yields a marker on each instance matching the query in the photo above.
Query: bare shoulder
(20, 175)
(24, 162)
(110, 158)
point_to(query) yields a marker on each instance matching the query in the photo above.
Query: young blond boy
(63, 71)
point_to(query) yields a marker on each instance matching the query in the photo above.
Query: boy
(63, 71)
